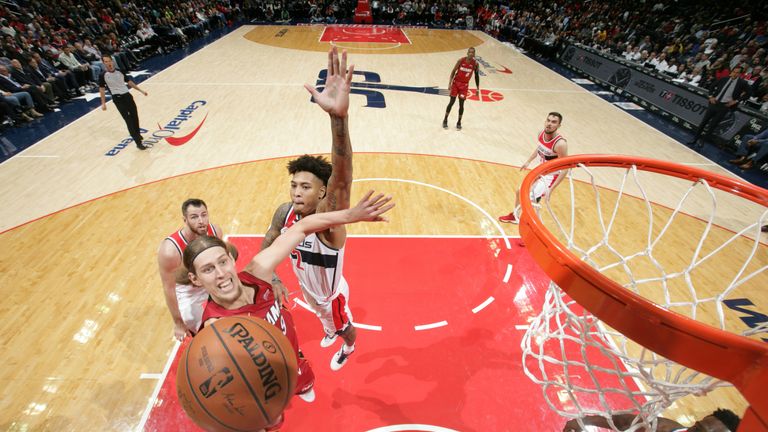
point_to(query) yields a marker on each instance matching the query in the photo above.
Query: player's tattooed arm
(340, 182)
(278, 221)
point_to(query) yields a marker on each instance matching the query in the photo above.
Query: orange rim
(718, 353)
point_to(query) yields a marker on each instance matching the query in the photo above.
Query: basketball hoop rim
(718, 353)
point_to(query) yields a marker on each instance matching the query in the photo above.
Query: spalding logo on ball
(237, 374)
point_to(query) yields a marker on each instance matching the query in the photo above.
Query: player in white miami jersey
(550, 145)
(317, 187)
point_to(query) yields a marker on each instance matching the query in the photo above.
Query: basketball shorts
(191, 301)
(542, 185)
(459, 89)
(334, 314)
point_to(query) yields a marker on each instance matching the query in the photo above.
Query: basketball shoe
(458, 126)
(445, 124)
(326, 341)
(308, 396)
(340, 358)
(510, 218)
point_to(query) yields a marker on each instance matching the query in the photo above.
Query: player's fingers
(343, 68)
(374, 202)
(335, 61)
(313, 91)
(350, 72)
(366, 197)
(330, 62)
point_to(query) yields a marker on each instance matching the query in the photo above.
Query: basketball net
(584, 366)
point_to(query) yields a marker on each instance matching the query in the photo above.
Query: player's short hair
(728, 418)
(194, 248)
(194, 202)
(556, 114)
(316, 165)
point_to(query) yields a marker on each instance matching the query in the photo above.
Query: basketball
(236, 374)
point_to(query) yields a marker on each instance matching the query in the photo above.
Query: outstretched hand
(334, 99)
(370, 208)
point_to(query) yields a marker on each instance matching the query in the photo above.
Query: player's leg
(461, 109)
(512, 216)
(448, 111)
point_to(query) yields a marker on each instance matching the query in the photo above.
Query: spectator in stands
(22, 77)
(81, 69)
(752, 148)
(725, 96)
(59, 86)
(8, 84)
(65, 76)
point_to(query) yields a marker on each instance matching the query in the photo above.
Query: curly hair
(316, 165)
(728, 418)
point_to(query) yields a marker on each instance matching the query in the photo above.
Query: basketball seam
(285, 362)
(242, 374)
(192, 389)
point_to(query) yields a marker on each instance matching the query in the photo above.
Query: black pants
(127, 107)
(712, 117)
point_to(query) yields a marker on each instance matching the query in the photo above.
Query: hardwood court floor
(84, 317)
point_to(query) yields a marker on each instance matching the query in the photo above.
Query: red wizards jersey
(265, 307)
(466, 68)
(546, 147)
(181, 243)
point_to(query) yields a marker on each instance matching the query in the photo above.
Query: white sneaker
(340, 358)
(308, 396)
(328, 341)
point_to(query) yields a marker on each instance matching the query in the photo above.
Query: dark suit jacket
(8, 86)
(22, 77)
(740, 92)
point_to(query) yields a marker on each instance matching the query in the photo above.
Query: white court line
(508, 274)
(150, 376)
(303, 304)
(151, 401)
(521, 327)
(412, 427)
(480, 209)
(406, 36)
(482, 305)
(431, 326)
(368, 48)
(37, 156)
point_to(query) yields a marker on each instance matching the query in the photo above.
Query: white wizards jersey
(317, 265)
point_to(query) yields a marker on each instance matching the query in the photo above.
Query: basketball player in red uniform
(211, 267)
(185, 302)
(317, 187)
(459, 84)
(550, 145)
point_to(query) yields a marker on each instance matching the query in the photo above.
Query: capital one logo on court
(371, 87)
(169, 131)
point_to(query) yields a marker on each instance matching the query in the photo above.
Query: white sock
(348, 349)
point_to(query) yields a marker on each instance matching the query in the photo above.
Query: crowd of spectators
(51, 52)
(694, 43)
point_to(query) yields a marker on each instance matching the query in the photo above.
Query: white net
(678, 255)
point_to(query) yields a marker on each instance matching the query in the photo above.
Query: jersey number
(296, 256)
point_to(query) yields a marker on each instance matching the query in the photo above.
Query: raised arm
(370, 209)
(334, 100)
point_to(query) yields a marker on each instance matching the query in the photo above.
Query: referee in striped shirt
(118, 85)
